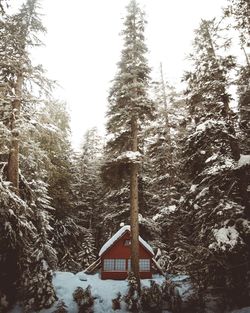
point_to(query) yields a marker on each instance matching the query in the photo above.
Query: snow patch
(168, 209)
(243, 310)
(244, 160)
(102, 290)
(193, 188)
(132, 156)
(212, 158)
(202, 193)
(228, 163)
(208, 124)
(226, 238)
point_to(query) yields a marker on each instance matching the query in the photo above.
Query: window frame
(108, 262)
(127, 242)
(141, 261)
(115, 265)
(144, 265)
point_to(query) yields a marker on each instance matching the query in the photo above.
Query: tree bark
(134, 209)
(13, 161)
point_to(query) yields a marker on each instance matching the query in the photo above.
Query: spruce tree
(240, 11)
(163, 147)
(165, 176)
(129, 108)
(18, 35)
(213, 206)
(53, 122)
(26, 252)
(88, 187)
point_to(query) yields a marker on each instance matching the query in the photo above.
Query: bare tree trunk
(13, 161)
(246, 56)
(134, 209)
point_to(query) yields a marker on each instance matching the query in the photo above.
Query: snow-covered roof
(118, 235)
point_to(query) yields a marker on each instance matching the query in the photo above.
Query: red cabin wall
(120, 251)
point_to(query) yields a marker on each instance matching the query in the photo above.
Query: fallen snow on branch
(244, 160)
(209, 124)
(130, 156)
(226, 238)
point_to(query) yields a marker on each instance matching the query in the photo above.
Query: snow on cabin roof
(117, 235)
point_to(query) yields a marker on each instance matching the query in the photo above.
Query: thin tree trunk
(246, 56)
(134, 209)
(13, 161)
(168, 137)
(168, 151)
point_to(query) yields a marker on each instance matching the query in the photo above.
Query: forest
(175, 165)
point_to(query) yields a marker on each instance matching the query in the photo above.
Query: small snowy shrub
(171, 295)
(116, 302)
(151, 298)
(132, 299)
(61, 307)
(84, 299)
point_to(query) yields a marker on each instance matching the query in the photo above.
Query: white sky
(83, 46)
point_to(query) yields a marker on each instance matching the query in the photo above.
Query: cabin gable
(122, 248)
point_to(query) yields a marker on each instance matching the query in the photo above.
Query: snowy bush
(84, 299)
(151, 298)
(116, 302)
(61, 307)
(132, 298)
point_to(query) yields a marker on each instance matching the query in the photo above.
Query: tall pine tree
(129, 107)
(213, 213)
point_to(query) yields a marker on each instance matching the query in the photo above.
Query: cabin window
(108, 265)
(127, 242)
(120, 265)
(112, 265)
(144, 265)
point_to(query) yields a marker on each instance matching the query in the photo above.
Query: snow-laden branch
(130, 157)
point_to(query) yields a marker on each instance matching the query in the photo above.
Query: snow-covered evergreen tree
(26, 252)
(74, 245)
(215, 228)
(129, 108)
(88, 187)
(239, 11)
(163, 148)
(54, 138)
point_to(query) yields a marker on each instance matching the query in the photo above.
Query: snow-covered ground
(244, 310)
(104, 291)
